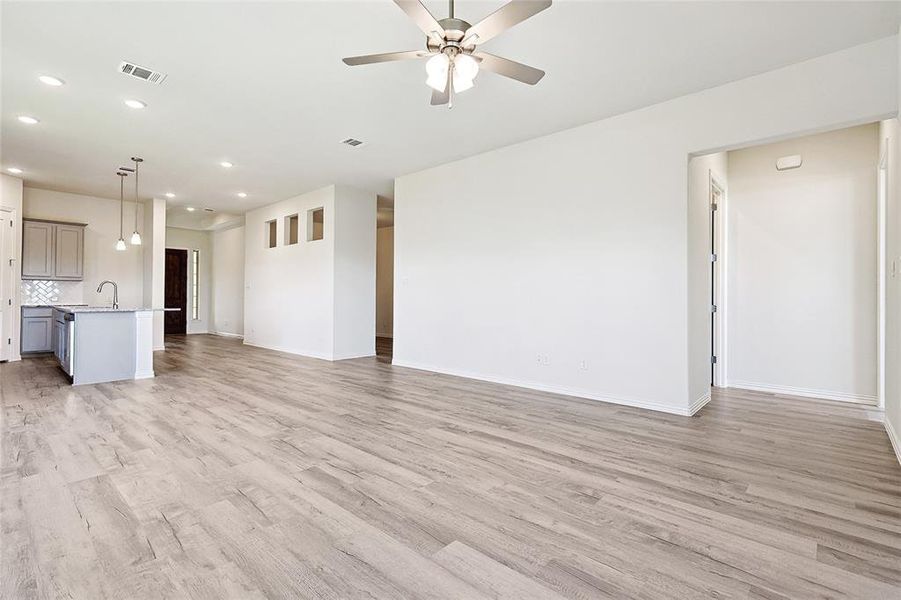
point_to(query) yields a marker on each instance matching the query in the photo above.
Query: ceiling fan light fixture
(436, 68)
(461, 84)
(466, 67)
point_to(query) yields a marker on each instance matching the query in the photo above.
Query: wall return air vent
(144, 73)
(352, 142)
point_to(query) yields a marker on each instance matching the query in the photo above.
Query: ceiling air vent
(209, 210)
(352, 142)
(144, 73)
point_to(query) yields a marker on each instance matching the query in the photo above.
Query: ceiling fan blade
(509, 68)
(439, 98)
(422, 17)
(502, 19)
(386, 57)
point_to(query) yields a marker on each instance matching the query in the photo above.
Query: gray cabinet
(37, 250)
(37, 329)
(69, 263)
(52, 250)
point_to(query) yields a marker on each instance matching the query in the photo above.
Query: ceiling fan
(452, 45)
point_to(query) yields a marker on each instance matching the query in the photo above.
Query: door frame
(718, 278)
(8, 335)
(882, 189)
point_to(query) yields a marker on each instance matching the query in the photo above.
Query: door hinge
(713, 360)
(713, 308)
(714, 206)
(713, 257)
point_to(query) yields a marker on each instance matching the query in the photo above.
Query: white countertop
(74, 309)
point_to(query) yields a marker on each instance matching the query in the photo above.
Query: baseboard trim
(145, 375)
(290, 351)
(893, 437)
(699, 403)
(352, 356)
(805, 392)
(239, 336)
(583, 394)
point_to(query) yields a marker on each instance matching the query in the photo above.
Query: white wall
(290, 300)
(802, 267)
(701, 170)
(11, 191)
(228, 281)
(384, 286)
(289, 290)
(354, 278)
(191, 239)
(563, 263)
(101, 259)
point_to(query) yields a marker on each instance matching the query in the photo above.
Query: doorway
(384, 278)
(793, 272)
(7, 282)
(176, 293)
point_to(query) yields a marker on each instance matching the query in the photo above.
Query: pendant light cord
(137, 164)
(137, 160)
(122, 177)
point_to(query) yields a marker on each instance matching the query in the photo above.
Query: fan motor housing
(454, 30)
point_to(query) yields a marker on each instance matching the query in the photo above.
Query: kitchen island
(99, 344)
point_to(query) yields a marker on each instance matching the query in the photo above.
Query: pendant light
(120, 245)
(136, 237)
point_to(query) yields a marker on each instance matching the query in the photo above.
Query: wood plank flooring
(245, 473)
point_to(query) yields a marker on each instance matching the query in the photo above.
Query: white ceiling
(263, 85)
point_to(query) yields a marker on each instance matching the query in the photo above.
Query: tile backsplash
(39, 291)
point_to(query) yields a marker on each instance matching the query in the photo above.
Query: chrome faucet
(115, 291)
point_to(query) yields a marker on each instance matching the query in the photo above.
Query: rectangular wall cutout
(272, 234)
(291, 226)
(315, 224)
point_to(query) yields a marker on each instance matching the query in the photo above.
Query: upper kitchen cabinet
(52, 250)
(69, 252)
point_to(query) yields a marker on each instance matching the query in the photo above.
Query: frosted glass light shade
(436, 68)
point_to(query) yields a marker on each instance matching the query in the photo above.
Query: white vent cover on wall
(140, 72)
(788, 162)
(352, 142)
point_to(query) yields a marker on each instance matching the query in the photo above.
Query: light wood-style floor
(245, 473)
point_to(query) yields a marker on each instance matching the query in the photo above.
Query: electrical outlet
(583, 365)
(544, 359)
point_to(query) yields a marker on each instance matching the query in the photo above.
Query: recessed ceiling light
(15, 170)
(242, 194)
(189, 208)
(170, 195)
(135, 104)
(227, 164)
(28, 120)
(50, 80)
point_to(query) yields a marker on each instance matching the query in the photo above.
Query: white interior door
(6, 284)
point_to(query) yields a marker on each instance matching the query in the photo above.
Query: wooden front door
(176, 290)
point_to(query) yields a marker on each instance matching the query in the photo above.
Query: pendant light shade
(135, 236)
(120, 245)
